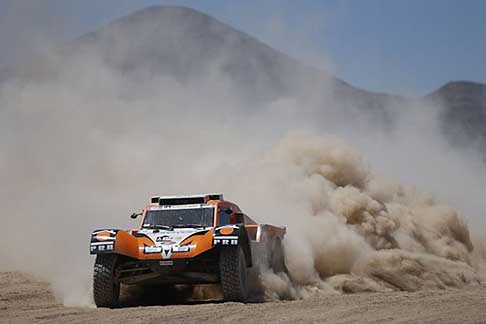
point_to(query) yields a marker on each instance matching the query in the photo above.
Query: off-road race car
(186, 240)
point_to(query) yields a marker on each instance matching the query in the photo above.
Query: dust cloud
(83, 146)
(351, 231)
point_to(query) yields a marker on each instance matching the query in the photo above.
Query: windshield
(190, 217)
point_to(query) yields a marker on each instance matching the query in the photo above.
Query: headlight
(180, 248)
(152, 249)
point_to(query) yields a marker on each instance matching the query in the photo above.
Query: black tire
(233, 272)
(277, 262)
(106, 288)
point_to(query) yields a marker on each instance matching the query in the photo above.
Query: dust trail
(479, 257)
(352, 231)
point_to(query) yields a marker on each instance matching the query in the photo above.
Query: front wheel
(106, 288)
(233, 272)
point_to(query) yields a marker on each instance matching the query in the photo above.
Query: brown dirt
(24, 299)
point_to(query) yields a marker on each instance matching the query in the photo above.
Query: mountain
(191, 47)
(187, 44)
(464, 113)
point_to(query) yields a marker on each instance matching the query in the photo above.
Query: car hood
(172, 237)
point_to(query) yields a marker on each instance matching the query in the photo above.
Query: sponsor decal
(166, 251)
(165, 239)
(101, 247)
(225, 240)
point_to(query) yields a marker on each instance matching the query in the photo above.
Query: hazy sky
(406, 47)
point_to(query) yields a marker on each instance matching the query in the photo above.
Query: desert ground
(23, 299)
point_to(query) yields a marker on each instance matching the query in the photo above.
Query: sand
(23, 299)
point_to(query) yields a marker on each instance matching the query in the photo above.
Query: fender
(103, 241)
(233, 235)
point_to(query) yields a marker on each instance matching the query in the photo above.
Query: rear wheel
(233, 271)
(106, 288)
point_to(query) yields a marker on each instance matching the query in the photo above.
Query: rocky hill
(192, 47)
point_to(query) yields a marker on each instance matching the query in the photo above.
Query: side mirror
(239, 218)
(135, 215)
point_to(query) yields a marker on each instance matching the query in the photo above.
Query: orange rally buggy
(185, 240)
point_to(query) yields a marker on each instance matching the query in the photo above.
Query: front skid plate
(176, 271)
